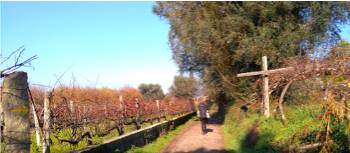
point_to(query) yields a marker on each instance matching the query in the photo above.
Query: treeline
(217, 40)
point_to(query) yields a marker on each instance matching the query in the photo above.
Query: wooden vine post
(15, 106)
(137, 119)
(265, 88)
(105, 110)
(121, 106)
(84, 118)
(37, 126)
(123, 115)
(71, 106)
(73, 114)
(36, 119)
(158, 110)
(47, 120)
(54, 119)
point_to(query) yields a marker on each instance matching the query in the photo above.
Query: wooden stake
(158, 110)
(105, 110)
(36, 120)
(122, 111)
(71, 106)
(36, 124)
(84, 117)
(46, 128)
(121, 103)
(137, 119)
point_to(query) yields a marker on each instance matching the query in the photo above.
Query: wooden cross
(264, 73)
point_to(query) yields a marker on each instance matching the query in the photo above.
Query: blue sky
(345, 33)
(116, 43)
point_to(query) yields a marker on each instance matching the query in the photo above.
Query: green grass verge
(159, 144)
(272, 135)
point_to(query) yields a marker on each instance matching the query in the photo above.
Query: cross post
(265, 88)
(266, 101)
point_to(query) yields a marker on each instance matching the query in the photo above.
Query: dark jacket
(202, 110)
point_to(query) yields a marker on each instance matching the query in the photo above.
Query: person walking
(203, 114)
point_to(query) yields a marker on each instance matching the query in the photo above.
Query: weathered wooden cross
(265, 72)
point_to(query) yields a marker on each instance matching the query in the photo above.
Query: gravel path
(191, 140)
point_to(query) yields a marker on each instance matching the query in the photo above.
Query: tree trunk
(280, 103)
(303, 148)
(15, 107)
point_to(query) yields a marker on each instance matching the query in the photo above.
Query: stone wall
(138, 138)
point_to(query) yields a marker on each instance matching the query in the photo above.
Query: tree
(217, 40)
(151, 91)
(184, 87)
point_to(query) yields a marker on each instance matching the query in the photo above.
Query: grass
(159, 144)
(271, 134)
(56, 147)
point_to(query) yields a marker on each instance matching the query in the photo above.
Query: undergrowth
(255, 133)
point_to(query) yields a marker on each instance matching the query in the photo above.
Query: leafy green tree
(217, 40)
(184, 87)
(151, 91)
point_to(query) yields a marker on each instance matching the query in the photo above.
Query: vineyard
(65, 118)
(80, 114)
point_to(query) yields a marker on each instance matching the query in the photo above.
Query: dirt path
(191, 140)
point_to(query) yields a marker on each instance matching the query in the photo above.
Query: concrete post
(15, 105)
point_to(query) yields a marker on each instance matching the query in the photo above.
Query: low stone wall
(138, 138)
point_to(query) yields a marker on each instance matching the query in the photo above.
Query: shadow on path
(250, 142)
(203, 150)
